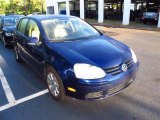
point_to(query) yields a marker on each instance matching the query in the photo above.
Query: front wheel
(55, 85)
(4, 41)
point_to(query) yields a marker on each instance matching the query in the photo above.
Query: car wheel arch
(49, 66)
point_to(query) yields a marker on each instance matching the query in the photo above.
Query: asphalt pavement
(140, 101)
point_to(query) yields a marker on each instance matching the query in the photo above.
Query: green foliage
(2, 6)
(21, 6)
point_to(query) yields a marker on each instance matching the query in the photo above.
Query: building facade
(54, 7)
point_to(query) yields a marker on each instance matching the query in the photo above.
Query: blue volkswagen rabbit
(73, 57)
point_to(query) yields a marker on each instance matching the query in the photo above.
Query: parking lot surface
(25, 95)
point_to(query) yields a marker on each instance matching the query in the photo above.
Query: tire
(54, 84)
(4, 42)
(17, 56)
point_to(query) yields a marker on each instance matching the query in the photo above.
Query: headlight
(86, 71)
(134, 56)
(8, 34)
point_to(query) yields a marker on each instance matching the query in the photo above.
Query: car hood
(101, 51)
(9, 29)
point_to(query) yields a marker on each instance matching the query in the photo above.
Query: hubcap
(53, 84)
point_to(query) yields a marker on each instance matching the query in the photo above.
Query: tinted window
(68, 29)
(22, 25)
(10, 20)
(32, 29)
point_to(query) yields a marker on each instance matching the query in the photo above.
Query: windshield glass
(68, 29)
(10, 21)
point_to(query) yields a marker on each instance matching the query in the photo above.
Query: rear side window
(22, 25)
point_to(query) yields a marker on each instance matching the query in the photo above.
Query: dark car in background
(7, 27)
(150, 15)
(73, 57)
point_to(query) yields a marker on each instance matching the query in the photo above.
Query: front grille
(117, 69)
(114, 70)
(129, 63)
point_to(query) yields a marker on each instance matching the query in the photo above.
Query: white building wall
(100, 11)
(82, 13)
(61, 5)
(126, 12)
(49, 3)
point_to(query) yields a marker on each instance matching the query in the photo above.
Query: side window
(32, 29)
(22, 25)
(18, 26)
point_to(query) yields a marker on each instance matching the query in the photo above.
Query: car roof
(12, 16)
(45, 17)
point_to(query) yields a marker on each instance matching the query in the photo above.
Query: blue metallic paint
(102, 51)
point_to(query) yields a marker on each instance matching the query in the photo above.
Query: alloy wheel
(16, 53)
(53, 84)
(4, 42)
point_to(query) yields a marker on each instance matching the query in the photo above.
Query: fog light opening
(94, 94)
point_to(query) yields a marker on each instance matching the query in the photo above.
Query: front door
(36, 53)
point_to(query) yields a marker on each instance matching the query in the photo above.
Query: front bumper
(150, 19)
(114, 85)
(9, 40)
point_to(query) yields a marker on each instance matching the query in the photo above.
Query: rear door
(21, 39)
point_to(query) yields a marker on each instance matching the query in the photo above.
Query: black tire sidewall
(19, 58)
(4, 42)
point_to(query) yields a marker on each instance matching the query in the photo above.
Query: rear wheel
(55, 85)
(17, 56)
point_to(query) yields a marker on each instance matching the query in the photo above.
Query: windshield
(10, 21)
(68, 29)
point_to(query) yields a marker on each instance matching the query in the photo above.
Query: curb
(127, 27)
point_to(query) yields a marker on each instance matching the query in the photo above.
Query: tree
(2, 6)
(13, 6)
(21, 6)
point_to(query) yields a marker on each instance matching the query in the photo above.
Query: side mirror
(33, 41)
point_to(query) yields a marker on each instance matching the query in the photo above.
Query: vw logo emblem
(124, 67)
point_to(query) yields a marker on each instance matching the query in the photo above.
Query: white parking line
(23, 100)
(10, 97)
(6, 87)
